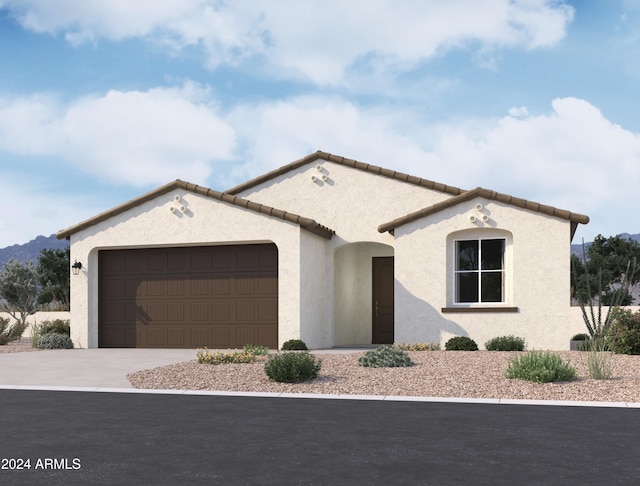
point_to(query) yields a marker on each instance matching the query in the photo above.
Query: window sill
(462, 310)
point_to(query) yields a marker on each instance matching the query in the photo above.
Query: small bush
(294, 345)
(256, 350)
(580, 337)
(10, 333)
(598, 359)
(55, 340)
(292, 367)
(623, 336)
(385, 357)
(60, 326)
(418, 346)
(540, 367)
(505, 343)
(204, 356)
(461, 343)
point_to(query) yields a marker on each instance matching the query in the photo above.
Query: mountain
(30, 250)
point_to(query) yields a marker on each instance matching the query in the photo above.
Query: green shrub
(294, 345)
(598, 359)
(541, 367)
(292, 367)
(385, 357)
(10, 333)
(418, 346)
(580, 337)
(505, 343)
(55, 340)
(461, 343)
(204, 356)
(256, 350)
(623, 335)
(60, 326)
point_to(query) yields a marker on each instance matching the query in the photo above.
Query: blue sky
(101, 101)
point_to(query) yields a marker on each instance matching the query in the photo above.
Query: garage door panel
(218, 297)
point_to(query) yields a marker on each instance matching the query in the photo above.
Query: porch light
(76, 267)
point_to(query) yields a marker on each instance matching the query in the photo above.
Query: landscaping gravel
(462, 374)
(21, 346)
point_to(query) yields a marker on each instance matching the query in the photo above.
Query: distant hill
(30, 250)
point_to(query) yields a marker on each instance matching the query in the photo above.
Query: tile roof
(305, 223)
(575, 218)
(374, 169)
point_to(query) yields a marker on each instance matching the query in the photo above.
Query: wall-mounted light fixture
(76, 267)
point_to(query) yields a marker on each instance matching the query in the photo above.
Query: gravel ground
(21, 346)
(472, 374)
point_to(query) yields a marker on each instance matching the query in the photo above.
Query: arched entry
(363, 274)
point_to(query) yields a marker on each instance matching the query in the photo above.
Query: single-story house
(325, 249)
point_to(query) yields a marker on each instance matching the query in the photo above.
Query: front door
(382, 302)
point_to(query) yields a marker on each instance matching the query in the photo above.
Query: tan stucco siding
(351, 202)
(537, 284)
(204, 222)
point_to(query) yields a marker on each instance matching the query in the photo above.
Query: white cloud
(317, 41)
(131, 137)
(572, 158)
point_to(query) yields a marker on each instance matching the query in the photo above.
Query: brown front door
(382, 303)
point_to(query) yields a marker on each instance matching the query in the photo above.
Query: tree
(53, 277)
(604, 271)
(606, 278)
(19, 289)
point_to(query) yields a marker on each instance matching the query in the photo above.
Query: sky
(104, 100)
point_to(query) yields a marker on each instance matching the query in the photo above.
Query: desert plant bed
(463, 374)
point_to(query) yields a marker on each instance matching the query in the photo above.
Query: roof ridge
(353, 163)
(575, 218)
(305, 223)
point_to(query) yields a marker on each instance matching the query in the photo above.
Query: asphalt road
(137, 439)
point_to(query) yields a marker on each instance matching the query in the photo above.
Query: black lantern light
(76, 267)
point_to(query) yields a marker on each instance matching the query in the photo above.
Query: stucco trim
(305, 223)
(337, 159)
(477, 310)
(575, 218)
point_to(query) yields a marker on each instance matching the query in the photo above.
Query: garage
(188, 297)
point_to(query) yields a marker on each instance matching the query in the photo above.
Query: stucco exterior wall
(351, 202)
(353, 291)
(206, 221)
(538, 276)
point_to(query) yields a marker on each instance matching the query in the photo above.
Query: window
(480, 271)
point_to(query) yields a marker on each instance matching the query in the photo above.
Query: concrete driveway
(103, 368)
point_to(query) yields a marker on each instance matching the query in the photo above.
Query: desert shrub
(60, 326)
(541, 367)
(10, 333)
(385, 357)
(418, 346)
(256, 350)
(294, 345)
(598, 359)
(55, 340)
(461, 343)
(204, 356)
(292, 367)
(623, 335)
(505, 343)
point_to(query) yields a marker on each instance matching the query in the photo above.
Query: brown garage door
(214, 296)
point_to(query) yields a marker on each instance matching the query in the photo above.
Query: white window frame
(504, 271)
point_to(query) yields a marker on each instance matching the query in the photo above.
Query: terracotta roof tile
(575, 218)
(374, 169)
(305, 223)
